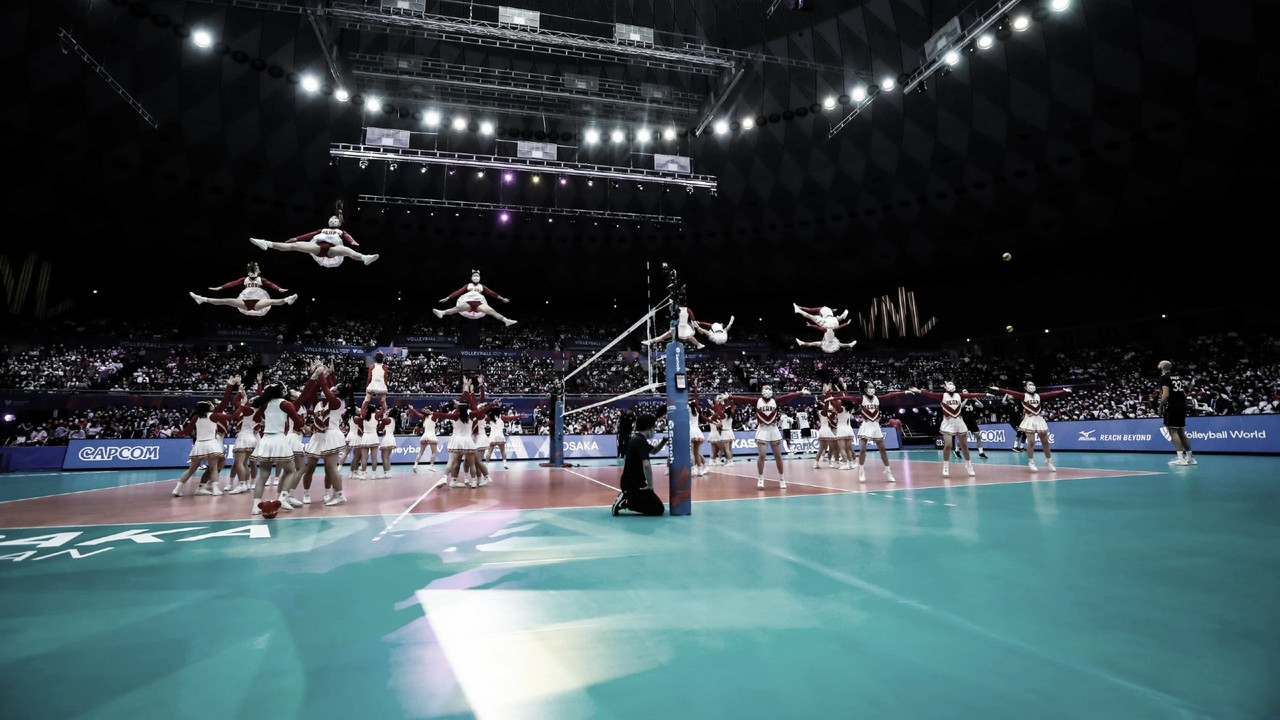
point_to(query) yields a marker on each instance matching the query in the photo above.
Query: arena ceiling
(1121, 151)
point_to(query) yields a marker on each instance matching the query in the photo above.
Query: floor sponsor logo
(80, 544)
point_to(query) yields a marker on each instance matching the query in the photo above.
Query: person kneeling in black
(637, 476)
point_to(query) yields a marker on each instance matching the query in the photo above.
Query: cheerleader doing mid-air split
(824, 319)
(327, 246)
(252, 300)
(471, 303)
(686, 330)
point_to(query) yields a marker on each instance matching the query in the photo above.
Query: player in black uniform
(637, 476)
(1012, 412)
(969, 413)
(1173, 408)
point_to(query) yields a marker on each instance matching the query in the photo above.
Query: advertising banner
(1254, 434)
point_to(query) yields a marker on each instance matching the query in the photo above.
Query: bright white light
(887, 84)
(432, 118)
(459, 123)
(202, 38)
(617, 136)
(593, 136)
(829, 102)
(669, 134)
(486, 128)
(986, 41)
(1021, 22)
(859, 94)
(643, 135)
(748, 123)
(310, 84)
(1060, 5)
(721, 127)
(342, 95)
(373, 104)
(951, 58)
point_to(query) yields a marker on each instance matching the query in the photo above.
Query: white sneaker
(256, 510)
(262, 244)
(177, 490)
(199, 300)
(504, 466)
(968, 467)
(782, 484)
(1191, 460)
(760, 484)
(1051, 467)
(216, 490)
(509, 322)
(306, 498)
(286, 503)
(484, 481)
(456, 483)
(1179, 461)
(844, 466)
(472, 484)
(888, 475)
(816, 464)
(204, 490)
(370, 258)
(326, 497)
(1033, 467)
(415, 467)
(438, 312)
(336, 500)
(242, 487)
(946, 470)
(862, 474)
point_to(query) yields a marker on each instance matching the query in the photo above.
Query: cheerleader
(327, 440)
(685, 324)
(824, 317)
(953, 427)
(246, 441)
(207, 447)
(327, 246)
(869, 429)
(376, 382)
(429, 443)
(252, 300)
(365, 458)
(715, 332)
(352, 438)
(768, 436)
(497, 441)
(828, 416)
(696, 438)
(471, 303)
(722, 415)
(844, 433)
(462, 445)
(387, 441)
(1033, 424)
(274, 413)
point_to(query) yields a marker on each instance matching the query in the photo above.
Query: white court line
(588, 477)
(423, 496)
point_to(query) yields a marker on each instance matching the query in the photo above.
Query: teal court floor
(1118, 587)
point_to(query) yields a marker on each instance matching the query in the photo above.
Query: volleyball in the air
(1008, 328)
(1007, 257)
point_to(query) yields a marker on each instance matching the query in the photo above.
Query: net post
(680, 488)
(556, 451)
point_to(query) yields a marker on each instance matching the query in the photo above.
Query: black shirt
(638, 451)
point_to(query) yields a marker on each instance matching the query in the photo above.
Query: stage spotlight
(1059, 5)
(364, 164)
(986, 40)
(669, 134)
(459, 123)
(1021, 22)
(393, 167)
(748, 123)
(721, 127)
(829, 102)
(887, 84)
(858, 94)
(432, 118)
(617, 136)
(951, 58)
(593, 136)
(310, 84)
(486, 128)
(342, 95)
(202, 38)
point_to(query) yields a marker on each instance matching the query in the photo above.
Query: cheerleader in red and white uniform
(252, 300)
(327, 246)
(471, 303)
(387, 440)
(273, 412)
(1033, 424)
(768, 435)
(429, 442)
(366, 448)
(207, 447)
(246, 441)
(495, 421)
(715, 332)
(828, 414)
(698, 463)
(685, 330)
(327, 440)
(376, 380)
(462, 445)
(953, 426)
(869, 429)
